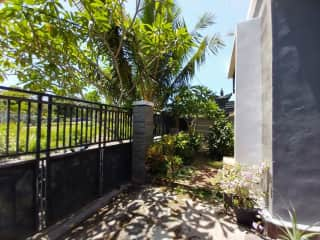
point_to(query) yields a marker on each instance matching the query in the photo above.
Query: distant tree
(194, 102)
(169, 53)
(92, 96)
(99, 45)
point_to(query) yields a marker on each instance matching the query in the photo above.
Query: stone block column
(142, 138)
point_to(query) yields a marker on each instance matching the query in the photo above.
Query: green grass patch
(69, 134)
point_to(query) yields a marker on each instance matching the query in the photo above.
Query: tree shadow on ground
(200, 173)
(156, 213)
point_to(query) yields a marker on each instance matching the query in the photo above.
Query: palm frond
(148, 14)
(198, 58)
(215, 43)
(206, 20)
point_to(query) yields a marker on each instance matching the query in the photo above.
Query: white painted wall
(248, 107)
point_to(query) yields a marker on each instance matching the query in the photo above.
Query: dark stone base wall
(17, 200)
(74, 179)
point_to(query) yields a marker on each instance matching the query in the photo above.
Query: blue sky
(228, 13)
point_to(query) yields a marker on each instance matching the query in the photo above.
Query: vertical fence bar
(117, 125)
(128, 126)
(28, 126)
(108, 125)
(47, 159)
(57, 126)
(64, 125)
(91, 124)
(105, 127)
(8, 126)
(100, 153)
(76, 133)
(81, 125)
(100, 125)
(95, 125)
(131, 125)
(112, 126)
(87, 124)
(39, 167)
(122, 128)
(18, 127)
(125, 125)
(155, 125)
(70, 126)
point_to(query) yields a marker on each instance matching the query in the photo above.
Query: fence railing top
(59, 97)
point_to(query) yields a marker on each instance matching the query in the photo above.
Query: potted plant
(245, 207)
(236, 184)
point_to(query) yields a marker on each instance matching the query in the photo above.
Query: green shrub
(220, 137)
(156, 162)
(187, 145)
(166, 157)
(161, 158)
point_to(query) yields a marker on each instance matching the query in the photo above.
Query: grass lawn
(62, 134)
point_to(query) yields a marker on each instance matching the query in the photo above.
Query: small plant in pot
(245, 207)
(225, 181)
(236, 185)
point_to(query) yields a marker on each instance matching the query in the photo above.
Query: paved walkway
(159, 213)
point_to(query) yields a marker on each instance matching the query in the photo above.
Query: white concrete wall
(248, 107)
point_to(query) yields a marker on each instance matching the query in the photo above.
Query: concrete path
(159, 213)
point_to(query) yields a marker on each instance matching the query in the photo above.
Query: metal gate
(55, 157)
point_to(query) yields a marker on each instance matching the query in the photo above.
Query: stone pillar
(142, 138)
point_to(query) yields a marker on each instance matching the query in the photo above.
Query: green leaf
(30, 2)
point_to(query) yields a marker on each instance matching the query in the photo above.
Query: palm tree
(150, 54)
(167, 78)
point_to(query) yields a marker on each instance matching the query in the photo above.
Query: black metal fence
(166, 123)
(55, 157)
(33, 123)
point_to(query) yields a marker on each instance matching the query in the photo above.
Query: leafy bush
(199, 101)
(186, 145)
(156, 162)
(167, 156)
(220, 137)
(161, 158)
(192, 103)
